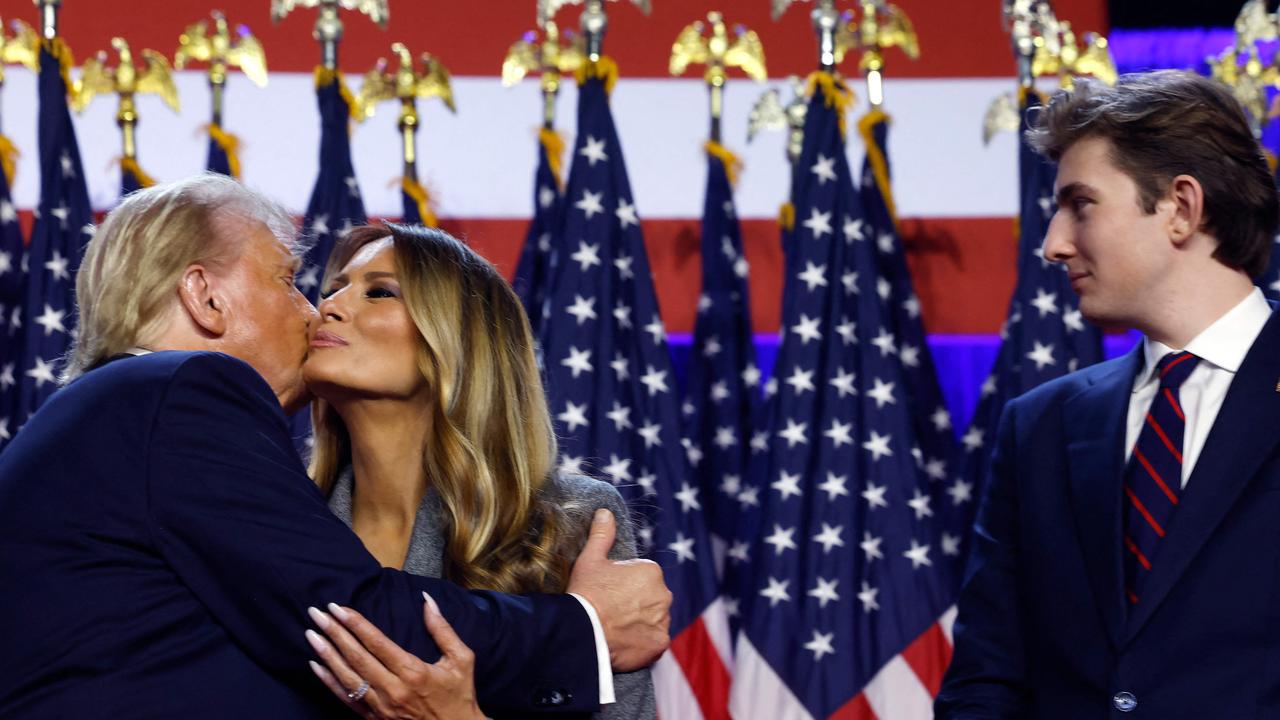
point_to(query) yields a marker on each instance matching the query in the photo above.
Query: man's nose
(1057, 241)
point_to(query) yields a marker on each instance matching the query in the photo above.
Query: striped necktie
(1153, 481)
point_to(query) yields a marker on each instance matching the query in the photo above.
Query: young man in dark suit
(1127, 557)
(160, 541)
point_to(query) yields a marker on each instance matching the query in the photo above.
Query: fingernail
(315, 667)
(432, 602)
(338, 611)
(316, 641)
(603, 515)
(319, 618)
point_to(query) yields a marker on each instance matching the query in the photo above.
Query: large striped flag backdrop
(851, 572)
(613, 394)
(62, 227)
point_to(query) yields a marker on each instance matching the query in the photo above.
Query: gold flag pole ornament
(883, 26)
(1044, 47)
(23, 48)
(126, 80)
(769, 113)
(1249, 83)
(406, 85)
(594, 22)
(552, 60)
(328, 30)
(222, 51)
(718, 52)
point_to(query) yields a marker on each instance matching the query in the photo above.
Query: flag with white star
(848, 613)
(12, 276)
(613, 395)
(534, 269)
(1044, 334)
(62, 227)
(336, 205)
(894, 287)
(722, 389)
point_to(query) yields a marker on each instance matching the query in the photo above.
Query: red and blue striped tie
(1153, 482)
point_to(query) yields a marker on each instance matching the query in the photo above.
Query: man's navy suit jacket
(159, 545)
(1044, 630)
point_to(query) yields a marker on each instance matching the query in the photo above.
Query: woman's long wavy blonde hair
(491, 447)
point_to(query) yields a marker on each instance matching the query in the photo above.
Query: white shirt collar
(1223, 344)
(138, 350)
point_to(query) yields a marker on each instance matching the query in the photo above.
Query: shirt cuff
(602, 653)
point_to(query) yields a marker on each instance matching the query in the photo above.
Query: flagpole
(49, 18)
(825, 22)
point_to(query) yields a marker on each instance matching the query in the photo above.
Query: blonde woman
(432, 436)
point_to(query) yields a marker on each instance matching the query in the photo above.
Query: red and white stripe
(902, 690)
(957, 198)
(692, 679)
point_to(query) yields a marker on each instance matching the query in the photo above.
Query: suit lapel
(1243, 435)
(1095, 429)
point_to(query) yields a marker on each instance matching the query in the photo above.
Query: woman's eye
(324, 295)
(379, 292)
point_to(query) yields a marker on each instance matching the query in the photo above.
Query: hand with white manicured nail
(400, 685)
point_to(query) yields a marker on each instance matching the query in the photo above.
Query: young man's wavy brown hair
(1169, 123)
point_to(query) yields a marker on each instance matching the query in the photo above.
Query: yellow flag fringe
(875, 156)
(8, 159)
(732, 165)
(326, 77)
(787, 216)
(415, 190)
(835, 93)
(604, 68)
(130, 165)
(553, 144)
(230, 145)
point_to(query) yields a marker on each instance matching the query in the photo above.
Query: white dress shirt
(1221, 348)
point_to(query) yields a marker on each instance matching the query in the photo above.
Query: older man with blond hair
(160, 541)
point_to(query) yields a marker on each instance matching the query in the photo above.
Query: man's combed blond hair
(490, 447)
(129, 277)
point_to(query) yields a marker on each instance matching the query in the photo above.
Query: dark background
(1175, 13)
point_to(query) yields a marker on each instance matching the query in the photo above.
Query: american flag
(850, 566)
(335, 205)
(222, 151)
(722, 392)
(12, 274)
(62, 227)
(533, 272)
(612, 393)
(1044, 335)
(935, 436)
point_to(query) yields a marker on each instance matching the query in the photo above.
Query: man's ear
(1188, 208)
(198, 290)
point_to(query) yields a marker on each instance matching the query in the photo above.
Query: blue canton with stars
(12, 276)
(62, 227)
(934, 432)
(722, 394)
(335, 205)
(609, 378)
(534, 269)
(1044, 335)
(849, 567)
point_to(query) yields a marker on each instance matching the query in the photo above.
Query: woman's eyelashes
(376, 292)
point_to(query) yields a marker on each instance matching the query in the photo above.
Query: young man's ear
(1188, 208)
(199, 292)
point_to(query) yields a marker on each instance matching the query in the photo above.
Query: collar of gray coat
(426, 543)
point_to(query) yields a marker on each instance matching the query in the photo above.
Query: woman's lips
(327, 339)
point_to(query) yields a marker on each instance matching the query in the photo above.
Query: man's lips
(325, 338)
